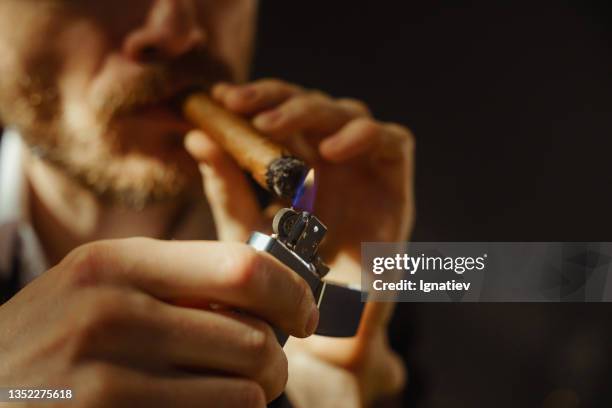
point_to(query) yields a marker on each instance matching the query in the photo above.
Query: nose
(170, 30)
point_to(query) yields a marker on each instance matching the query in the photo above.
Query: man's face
(89, 84)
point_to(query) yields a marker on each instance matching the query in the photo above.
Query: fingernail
(313, 321)
(268, 119)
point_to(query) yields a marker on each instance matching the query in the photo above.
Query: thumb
(232, 201)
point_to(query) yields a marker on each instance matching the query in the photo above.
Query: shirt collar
(13, 193)
(14, 215)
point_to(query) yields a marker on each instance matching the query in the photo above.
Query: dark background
(511, 107)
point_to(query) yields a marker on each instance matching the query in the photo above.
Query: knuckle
(275, 82)
(243, 268)
(401, 131)
(268, 364)
(256, 342)
(305, 104)
(85, 264)
(273, 378)
(97, 318)
(105, 306)
(318, 98)
(252, 395)
(303, 300)
(102, 380)
(278, 84)
(100, 383)
(278, 375)
(367, 127)
(356, 105)
(318, 95)
(403, 135)
(138, 305)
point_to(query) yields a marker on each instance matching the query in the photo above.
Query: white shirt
(14, 215)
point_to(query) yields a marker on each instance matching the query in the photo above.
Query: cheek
(47, 67)
(84, 49)
(9, 67)
(28, 89)
(231, 29)
(28, 66)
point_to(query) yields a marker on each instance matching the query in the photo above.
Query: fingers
(311, 113)
(343, 128)
(388, 142)
(224, 273)
(224, 342)
(105, 385)
(119, 324)
(376, 317)
(254, 97)
(283, 109)
(233, 204)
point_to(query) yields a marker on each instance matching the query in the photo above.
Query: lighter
(295, 243)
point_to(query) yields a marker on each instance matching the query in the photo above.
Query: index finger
(198, 272)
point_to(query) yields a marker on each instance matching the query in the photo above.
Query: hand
(364, 168)
(365, 193)
(133, 323)
(350, 372)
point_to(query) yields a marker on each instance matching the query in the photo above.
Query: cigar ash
(285, 175)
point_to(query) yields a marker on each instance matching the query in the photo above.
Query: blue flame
(305, 196)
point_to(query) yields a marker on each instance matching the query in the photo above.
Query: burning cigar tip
(285, 175)
(265, 160)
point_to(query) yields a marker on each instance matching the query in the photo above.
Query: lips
(157, 111)
(162, 112)
(150, 125)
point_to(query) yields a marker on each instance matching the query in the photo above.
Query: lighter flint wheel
(283, 222)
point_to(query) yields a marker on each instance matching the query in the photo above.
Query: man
(95, 154)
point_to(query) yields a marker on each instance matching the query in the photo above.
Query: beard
(98, 144)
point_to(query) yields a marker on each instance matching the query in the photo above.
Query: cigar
(268, 163)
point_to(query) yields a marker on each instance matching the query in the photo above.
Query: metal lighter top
(302, 233)
(295, 242)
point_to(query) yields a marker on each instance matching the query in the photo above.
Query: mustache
(165, 83)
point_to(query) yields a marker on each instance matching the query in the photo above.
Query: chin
(148, 139)
(138, 177)
(146, 181)
(134, 161)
